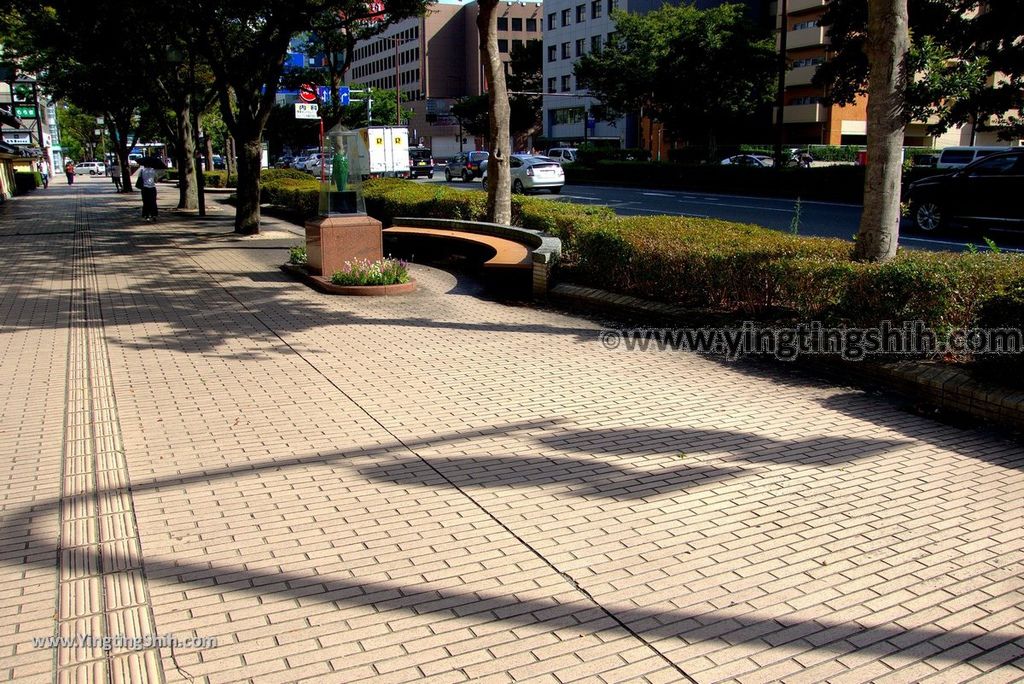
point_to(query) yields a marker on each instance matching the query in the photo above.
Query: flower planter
(325, 285)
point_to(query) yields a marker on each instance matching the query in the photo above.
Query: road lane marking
(738, 206)
(656, 194)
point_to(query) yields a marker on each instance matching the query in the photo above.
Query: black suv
(466, 165)
(985, 194)
(421, 162)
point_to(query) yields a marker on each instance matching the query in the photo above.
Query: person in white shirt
(146, 182)
(44, 171)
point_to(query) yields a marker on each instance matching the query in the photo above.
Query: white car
(756, 161)
(533, 172)
(563, 155)
(315, 165)
(92, 168)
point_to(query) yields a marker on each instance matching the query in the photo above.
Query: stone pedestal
(331, 241)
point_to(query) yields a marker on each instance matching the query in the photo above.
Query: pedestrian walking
(69, 171)
(44, 171)
(146, 182)
(115, 175)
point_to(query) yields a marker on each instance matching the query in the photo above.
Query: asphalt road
(821, 219)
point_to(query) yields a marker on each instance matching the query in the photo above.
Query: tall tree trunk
(209, 153)
(229, 157)
(499, 174)
(247, 213)
(188, 194)
(888, 41)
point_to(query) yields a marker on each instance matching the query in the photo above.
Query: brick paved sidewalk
(443, 488)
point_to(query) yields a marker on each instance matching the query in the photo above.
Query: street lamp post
(398, 41)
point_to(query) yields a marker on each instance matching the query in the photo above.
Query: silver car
(533, 172)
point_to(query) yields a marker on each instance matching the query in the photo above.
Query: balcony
(801, 5)
(800, 76)
(809, 113)
(807, 37)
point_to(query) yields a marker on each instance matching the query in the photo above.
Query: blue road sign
(323, 93)
(344, 95)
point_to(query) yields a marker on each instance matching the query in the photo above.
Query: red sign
(307, 93)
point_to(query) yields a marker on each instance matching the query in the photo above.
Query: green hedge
(26, 181)
(728, 267)
(1004, 309)
(831, 183)
(211, 179)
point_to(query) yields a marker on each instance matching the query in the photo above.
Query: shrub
(25, 181)
(364, 272)
(211, 179)
(297, 255)
(301, 196)
(1005, 309)
(277, 174)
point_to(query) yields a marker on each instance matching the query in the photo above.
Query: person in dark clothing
(69, 171)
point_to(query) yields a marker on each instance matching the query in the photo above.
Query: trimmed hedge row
(722, 266)
(26, 181)
(211, 179)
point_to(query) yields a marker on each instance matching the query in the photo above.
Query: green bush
(834, 153)
(211, 179)
(25, 181)
(278, 174)
(1004, 309)
(297, 255)
(300, 195)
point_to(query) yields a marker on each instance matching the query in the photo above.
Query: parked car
(314, 167)
(93, 168)
(563, 155)
(284, 162)
(303, 163)
(984, 194)
(758, 161)
(421, 162)
(533, 172)
(466, 165)
(959, 157)
(218, 162)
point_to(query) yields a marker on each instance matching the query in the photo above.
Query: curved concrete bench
(514, 247)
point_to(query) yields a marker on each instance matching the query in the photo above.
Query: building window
(531, 25)
(595, 9)
(612, 4)
(565, 51)
(805, 25)
(566, 16)
(580, 43)
(809, 61)
(551, 21)
(595, 43)
(552, 53)
(581, 13)
(517, 45)
(552, 84)
(566, 83)
(503, 23)
(503, 46)
(517, 24)
(805, 100)
(567, 115)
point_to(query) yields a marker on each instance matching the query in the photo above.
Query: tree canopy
(692, 70)
(967, 58)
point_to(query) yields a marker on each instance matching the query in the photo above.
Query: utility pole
(780, 96)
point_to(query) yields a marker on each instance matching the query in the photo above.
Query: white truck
(386, 151)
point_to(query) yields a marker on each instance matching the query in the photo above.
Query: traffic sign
(307, 93)
(304, 110)
(323, 94)
(25, 111)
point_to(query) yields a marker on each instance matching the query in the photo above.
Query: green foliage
(297, 255)
(1004, 310)
(693, 70)
(302, 196)
(957, 47)
(25, 181)
(364, 272)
